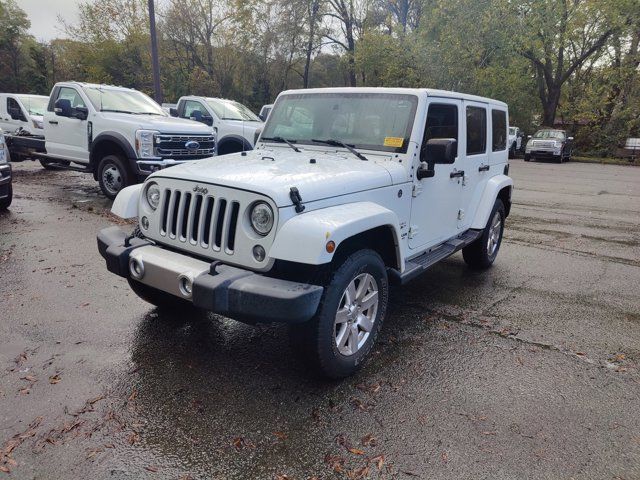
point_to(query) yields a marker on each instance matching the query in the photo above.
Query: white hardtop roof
(29, 95)
(199, 97)
(410, 91)
(96, 85)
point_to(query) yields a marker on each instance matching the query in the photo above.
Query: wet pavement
(528, 370)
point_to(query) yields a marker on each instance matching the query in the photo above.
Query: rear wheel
(527, 157)
(482, 253)
(342, 333)
(113, 175)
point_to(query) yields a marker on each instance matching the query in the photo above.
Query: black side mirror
(81, 113)
(437, 151)
(62, 107)
(208, 120)
(173, 112)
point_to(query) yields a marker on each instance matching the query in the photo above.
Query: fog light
(185, 284)
(258, 253)
(136, 267)
(144, 221)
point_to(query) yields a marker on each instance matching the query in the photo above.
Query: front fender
(303, 238)
(491, 190)
(126, 203)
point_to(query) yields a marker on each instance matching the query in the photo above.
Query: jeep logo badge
(199, 189)
(192, 145)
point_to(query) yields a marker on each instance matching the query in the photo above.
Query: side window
(476, 130)
(442, 122)
(14, 110)
(499, 130)
(191, 106)
(67, 93)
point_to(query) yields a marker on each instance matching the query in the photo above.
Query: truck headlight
(37, 123)
(262, 218)
(145, 142)
(153, 195)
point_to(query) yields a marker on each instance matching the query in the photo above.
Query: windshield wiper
(281, 140)
(338, 143)
(147, 113)
(116, 111)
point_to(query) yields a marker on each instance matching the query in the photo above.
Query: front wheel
(527, 157)
(337, 340)
(482, 253)
(113, 175)
(6, 202)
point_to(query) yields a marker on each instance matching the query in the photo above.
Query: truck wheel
(49, 165)
(527, 157)
(158, 298)
(512, 151)
(336, 341)
(482, 253)
(6, 202)
(113, 175)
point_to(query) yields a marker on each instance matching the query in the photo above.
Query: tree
(14, 25)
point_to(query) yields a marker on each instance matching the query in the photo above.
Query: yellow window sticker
(393, 142)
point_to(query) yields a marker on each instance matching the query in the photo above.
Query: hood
(248, 126)
(158, 122)
(274, 172)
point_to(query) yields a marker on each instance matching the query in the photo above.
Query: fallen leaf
(379, 462)
(134, 394)
(356, 451)
(335, 462)
(53, 379)
(445, 457)
(282, 477)
(280, 435)
(358, 473)
(24, 391)
(133, 438)
(151, 468)
(369, 440)
(29, 378)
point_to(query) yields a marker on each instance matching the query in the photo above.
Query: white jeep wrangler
(349, 190)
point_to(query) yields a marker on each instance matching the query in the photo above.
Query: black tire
(231, 146)
(477, 254)
(160, 299)
(315, 340)
(6, 202)
(527, 157)
(113, 175)
(559, 158)
(512, 151)
(49, 165)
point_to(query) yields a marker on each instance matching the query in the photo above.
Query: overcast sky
(43, 15)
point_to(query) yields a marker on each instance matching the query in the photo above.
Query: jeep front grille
(199, 219)
(174, 146)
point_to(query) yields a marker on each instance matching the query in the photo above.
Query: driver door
(436, 201)
(67, 137)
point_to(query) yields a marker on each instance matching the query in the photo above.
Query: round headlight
(262, 218)
(153, 196)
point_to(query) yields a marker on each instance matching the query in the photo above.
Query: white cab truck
(348, 190)
(22, 112)
(236, 127)
(120, 135)
(515, 141)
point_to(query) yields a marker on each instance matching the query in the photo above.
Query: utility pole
(154, 53)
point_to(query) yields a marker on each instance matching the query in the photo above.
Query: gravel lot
(529, 370)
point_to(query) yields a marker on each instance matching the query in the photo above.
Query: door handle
(459, 173)
(53, 122)
(483, 168)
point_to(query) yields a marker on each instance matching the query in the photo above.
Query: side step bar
(60, 164)
(420, 264)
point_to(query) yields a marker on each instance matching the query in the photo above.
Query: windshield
(371, 121)
(124, 101)
(555, 134)
(34, 104)
(230, 110)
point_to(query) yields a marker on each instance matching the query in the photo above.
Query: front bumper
(5, 180)
(147, 167)
(230, 291)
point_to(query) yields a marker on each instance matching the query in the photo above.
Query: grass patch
(608, 161)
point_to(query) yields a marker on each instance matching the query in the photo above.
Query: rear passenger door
(476, 163)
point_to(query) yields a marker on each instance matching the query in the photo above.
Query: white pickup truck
(236, 127)
(120, 135)
(348, 190)
(22, 112)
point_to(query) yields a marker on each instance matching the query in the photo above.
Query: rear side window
(442, 122)
(476, 130)
(499, 130)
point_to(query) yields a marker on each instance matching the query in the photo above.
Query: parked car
(236, 126)
(349, 190)
(6, 187)
(117, 134)
(22, 112)
(549, 143)
(264, 111)
(515, 141)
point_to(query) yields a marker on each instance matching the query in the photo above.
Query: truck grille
(543, 144)
(175, 146)
(199, 219)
